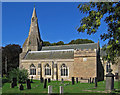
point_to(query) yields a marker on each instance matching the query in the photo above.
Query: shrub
(20, 74)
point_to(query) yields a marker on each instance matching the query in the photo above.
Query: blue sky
(57, 22)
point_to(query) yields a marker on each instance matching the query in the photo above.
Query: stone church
(81, 61)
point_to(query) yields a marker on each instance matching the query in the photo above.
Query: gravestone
(49, 89)
(73, 81)
(48, 80)
(15, 81)
(90, 80)
(28, 84)
(45, 83)
(95, 82)
(62, 80)
(12, 85)
(76, 80)
(41, 80)
(61, 90)
(110, 80)
(21, 87)
(31, 79)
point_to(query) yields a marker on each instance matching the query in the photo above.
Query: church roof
(72, 46)
(50, 54)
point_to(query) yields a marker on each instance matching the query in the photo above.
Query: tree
(11, 53)
(80, 41)
(90, 24)
(46, 43)
(60, 43)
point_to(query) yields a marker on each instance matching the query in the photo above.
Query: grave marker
(62, 80)
(73, 81)
(110, 80)
(41, 80)
(21, 87)
(31, 79)
(28, 84)
(95, 82)
(90, 80)
(61, 90)
(15, 81)
(48, 80)
(76, 80)
(49, 89)
(45, 83)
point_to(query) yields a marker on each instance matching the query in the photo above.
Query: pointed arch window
(47, 69)
(64, 70)
(32, 69)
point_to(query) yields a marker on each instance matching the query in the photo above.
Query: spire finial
(34, 12)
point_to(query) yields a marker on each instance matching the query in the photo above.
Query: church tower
(33, 42)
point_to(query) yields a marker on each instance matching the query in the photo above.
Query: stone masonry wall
(85, 63)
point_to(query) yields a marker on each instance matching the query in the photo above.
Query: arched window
(32, 69)
(47, 69)
(64, 70)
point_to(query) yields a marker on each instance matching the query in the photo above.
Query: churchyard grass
(37, 87)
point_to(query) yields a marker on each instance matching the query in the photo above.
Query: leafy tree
(10, 53)
(46, 43)
(90, 24)
(80, 41)
(20, 74)
(60, 43)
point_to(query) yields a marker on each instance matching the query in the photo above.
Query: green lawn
(37, 87)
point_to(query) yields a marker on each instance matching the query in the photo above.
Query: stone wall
(68, 62)
(85, 63)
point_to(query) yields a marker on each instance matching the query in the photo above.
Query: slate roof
(50, 54)
(72, 46)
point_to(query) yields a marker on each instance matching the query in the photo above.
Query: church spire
(33, 42)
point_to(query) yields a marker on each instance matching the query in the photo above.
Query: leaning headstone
(41, 80)
(76, 80)
(15, 81)
(95, 82)
(49, 89)
(61, 90)
(90, 80)
(21, 87)
(31, 79)
(28, 84)
(73, 81)
(45, 83)
(110, 80)
(48, 80)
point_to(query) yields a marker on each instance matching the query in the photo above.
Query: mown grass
(37, 87)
